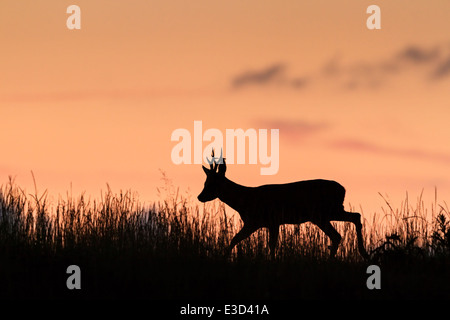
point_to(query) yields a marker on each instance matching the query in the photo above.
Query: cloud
(355, 145)
(261, 77)
(423, 63)
(420, 62)
(368, 147)
(299, 82)
(418, 55)
(442, 69)
(274, 74)
(294, 129)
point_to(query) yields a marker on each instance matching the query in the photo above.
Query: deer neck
(233, 194)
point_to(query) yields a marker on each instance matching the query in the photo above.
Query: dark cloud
(364, 74)
(421, 62)
(418, 55)
(437, 60)
(261, 77)
(273, 74)
(442, 70)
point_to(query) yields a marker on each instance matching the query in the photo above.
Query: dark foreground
(103, 275)
(175, 254)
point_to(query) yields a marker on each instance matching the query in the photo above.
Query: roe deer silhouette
(317, 201)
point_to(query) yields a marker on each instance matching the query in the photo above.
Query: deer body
(269, 206)
(290, 203)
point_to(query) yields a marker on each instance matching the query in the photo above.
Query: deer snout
(201, 197)
(206, 196)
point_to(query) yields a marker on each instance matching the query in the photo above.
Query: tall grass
(117, 232)
(174, 224)
(413, 229)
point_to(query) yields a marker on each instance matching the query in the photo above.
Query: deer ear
(206, 170)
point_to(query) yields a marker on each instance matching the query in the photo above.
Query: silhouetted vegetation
(175, 249)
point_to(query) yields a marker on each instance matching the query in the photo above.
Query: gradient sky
(368, 108)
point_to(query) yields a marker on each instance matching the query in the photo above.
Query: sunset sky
(367, 108)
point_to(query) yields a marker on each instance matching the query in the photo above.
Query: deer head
(214, 177)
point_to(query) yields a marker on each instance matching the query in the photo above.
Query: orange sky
(368, 108)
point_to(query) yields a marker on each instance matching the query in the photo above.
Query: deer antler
(212, 163)
(221, 158)
(223, 166)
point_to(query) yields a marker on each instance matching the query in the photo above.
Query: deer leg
(334, 236)
(245, 232)
(355, 218)
(273, 239)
